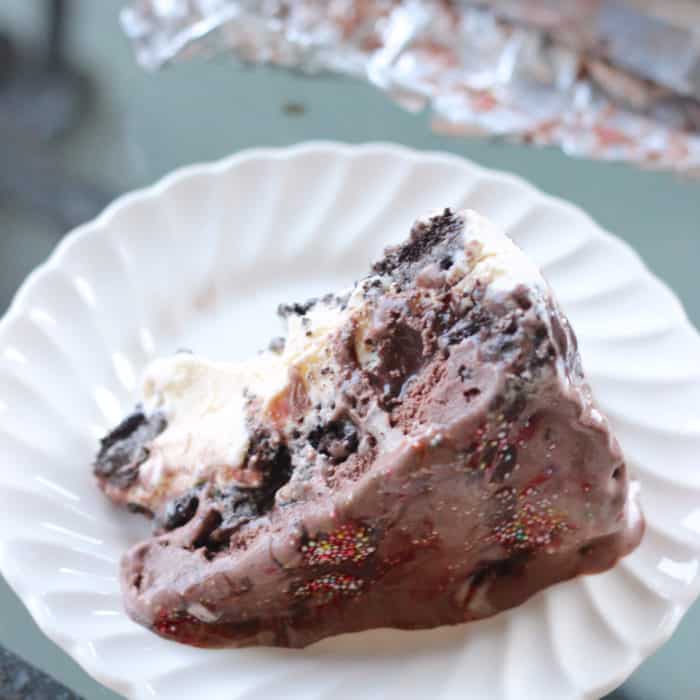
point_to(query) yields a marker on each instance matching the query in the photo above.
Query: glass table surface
(133, 127)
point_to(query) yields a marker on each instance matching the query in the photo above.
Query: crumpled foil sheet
(607, 79)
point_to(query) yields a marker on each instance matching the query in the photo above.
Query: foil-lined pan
(607, 79)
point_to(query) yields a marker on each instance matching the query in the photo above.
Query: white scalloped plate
(201, 260)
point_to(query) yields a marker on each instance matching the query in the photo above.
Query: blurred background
(81, 123)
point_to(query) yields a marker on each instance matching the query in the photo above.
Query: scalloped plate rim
(204, 168)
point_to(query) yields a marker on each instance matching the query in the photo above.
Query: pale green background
(143, 126)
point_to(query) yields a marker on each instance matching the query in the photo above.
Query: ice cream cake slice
(421, 450)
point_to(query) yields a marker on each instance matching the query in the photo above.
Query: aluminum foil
(607, 79)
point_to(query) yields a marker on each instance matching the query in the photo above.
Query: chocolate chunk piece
(124, 449)
(337, 440)
(179, 511)
(296, 309)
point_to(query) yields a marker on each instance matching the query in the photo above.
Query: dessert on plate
(420, 450)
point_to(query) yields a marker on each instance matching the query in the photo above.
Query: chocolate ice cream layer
(422, 450)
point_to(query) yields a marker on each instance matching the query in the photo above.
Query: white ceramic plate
(201, 260)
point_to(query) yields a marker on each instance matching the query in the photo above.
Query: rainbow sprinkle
(330, 587)
(349, 543)
(534, 525)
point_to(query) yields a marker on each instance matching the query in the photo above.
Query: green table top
(142, 126)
